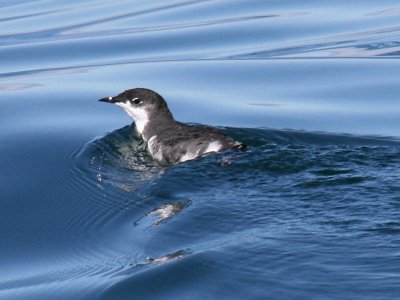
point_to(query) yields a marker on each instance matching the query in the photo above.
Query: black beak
(113, 99)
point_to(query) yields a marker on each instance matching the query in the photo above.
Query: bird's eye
(136, 101)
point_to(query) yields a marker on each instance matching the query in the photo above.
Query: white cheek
(124, 105)
(127, 107)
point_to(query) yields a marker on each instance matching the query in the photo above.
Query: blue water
(310, 211)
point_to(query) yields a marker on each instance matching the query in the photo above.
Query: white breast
(151, 146)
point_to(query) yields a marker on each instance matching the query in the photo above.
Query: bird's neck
(157, 125)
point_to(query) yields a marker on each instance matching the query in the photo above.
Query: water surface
(310, 211)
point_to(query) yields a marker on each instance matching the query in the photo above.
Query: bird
(167, 140)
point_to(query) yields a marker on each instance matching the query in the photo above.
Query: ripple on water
(135, 215)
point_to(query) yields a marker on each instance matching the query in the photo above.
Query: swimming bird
(167, 140)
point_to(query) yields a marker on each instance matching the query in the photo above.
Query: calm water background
(310, 211)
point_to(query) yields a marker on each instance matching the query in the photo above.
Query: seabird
(169, 141)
